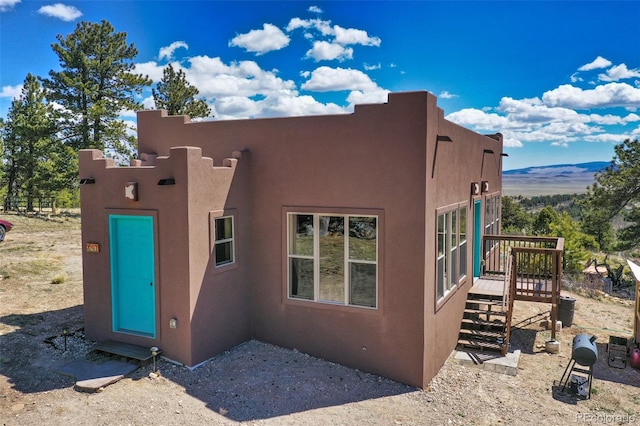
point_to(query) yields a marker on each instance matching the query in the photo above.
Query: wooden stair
(484, 323)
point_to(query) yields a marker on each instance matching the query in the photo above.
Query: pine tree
(95, 86)
(617, 191)
(37, 164)
(175, 94)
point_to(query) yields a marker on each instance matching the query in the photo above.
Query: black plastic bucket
(565, 310)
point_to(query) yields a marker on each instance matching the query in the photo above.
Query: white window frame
(451, 248)
(224, 241)
(316, 257)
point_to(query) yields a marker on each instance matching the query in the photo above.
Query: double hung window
(452, 249)
(224, 247)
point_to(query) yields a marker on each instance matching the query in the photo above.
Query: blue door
(133, 294)
(477, 238)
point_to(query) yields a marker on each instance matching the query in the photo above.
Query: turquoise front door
(133, 295)
(477, 238)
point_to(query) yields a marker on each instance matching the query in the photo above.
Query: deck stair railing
(532, 267)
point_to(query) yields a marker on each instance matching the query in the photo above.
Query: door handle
(151, 284)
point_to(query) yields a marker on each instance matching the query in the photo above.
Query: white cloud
(60, 11)
(12, 92)
(533, 121)
(376, 96)
(216, 79)
(619, 72)
(323, 50)
(267, 39)
(347, 36)
(166, 52)
(151, 69)
(603, 96)
(315, 9)
(368, 67)
(480, 120)
(6, 5)
(447, 95)
(612, 120)
(597, 63)
(326, 79)
(575, 78)
(533, 111)
(331, 42)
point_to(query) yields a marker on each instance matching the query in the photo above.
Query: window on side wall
(451, 249)
(492, 215)
(333, 258)
(224, 243)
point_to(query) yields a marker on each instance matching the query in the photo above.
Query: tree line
(80, 107)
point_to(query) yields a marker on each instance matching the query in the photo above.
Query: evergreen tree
(177, 96)
(543, 220)
(515, 220)
(37, 164)
(95, 85)
(617, 191)
(577, 244)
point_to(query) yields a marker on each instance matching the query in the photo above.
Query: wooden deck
(534, 291)
(489, 285)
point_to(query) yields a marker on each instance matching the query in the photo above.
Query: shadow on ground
(257, 381)
(252, 381)
(28, 355)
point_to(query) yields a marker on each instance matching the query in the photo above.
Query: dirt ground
(257, 383)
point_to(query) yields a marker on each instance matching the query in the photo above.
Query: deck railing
(530, 266)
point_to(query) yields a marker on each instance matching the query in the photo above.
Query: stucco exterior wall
(377, 161)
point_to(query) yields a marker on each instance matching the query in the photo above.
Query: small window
(224, 250)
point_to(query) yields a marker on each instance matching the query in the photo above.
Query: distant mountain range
(550, 180)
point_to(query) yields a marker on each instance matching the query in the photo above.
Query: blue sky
(561, 80)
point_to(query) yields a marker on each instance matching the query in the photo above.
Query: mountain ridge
(551, 179)
(589, 167)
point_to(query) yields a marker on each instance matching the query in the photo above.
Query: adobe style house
(354, 238)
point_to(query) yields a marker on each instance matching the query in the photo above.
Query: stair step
(482, 333)
(485, 302)
(482, 323)
(484, 312)
(479, 344)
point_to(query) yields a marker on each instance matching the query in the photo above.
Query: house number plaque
(93, 248)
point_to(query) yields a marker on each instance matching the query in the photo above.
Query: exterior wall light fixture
(475, 188)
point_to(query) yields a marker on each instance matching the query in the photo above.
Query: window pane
(441, 234)
(463, 225)
(362, 238)
(301, 271)
(441, 276)
(454, 273)
(363, 285)
(224, 228)
(224, 253)
(332, 258)
(454, 228)
(302, 235)
(463, 259)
